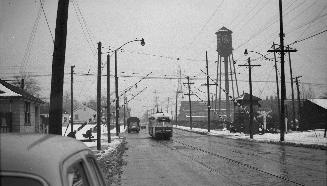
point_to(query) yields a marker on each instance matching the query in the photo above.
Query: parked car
(133, 124)
(44, 160)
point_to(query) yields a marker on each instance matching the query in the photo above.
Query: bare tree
(307, 92)
(30, 84)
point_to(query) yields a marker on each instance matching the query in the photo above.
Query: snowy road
(193, 159)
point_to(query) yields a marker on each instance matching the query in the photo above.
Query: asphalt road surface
(194, 159)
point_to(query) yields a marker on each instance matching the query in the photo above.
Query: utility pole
(71, 98)
(58, 65)
(291, 76)
(251, 97)
(189, 98)
(176, 108)
(208, 91)
(99, 99)
(278, 100)
(108, 98)
(125, 102)
(282, 76)
(298, 96)
(117, 97)
(282, 71)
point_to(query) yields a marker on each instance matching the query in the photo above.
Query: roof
(224, 29)
(10, 91)
(38, 153)
(321, 102)
(246, 97)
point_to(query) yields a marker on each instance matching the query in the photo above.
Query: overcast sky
(172, 29)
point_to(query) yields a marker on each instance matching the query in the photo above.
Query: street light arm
(142, 43)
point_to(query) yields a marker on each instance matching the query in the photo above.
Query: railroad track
(227, 159)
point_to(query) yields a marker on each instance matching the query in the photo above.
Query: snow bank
(312, 137)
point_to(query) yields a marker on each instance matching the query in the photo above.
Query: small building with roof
(314, 114)
(19, 110)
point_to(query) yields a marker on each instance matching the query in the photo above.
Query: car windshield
(19, 181)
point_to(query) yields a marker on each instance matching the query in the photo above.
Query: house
(44, 113)
(19, 111)
(314, 114)
(84, 114)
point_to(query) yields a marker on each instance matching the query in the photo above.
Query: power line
(31, 38)
(46, 19)
(206, 23)
(309, 37)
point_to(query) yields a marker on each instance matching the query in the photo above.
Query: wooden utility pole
(208, 91)
(291, 76)
(298, 97)
(251, 98)
(71, 98)
(108, 98)
(282, 72)
(282, 76)
(125, 102)
(58, 65)
(189, 98)
(99, 99)
(117, 97)
(276, 71)
(176, 107)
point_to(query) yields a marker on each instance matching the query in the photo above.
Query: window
(77, 176)
(27, 111)
(18, 181)
(76, 116)
(95, 170)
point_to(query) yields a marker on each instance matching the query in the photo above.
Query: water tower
(224, 49)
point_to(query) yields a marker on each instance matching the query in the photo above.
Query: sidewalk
(312, 138)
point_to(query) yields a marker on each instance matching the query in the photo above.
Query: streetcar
(160, 126)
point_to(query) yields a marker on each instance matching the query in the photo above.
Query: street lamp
(116, 82)
(250, 88)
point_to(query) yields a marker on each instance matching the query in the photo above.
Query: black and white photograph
(163, 92)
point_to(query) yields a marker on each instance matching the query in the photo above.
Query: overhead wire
(30, 42)
(206, 23)
(46, 19)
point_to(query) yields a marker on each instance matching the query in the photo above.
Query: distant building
(19, 111)
(200, 113)
(314, 113)
(84, 114)
(44, 113)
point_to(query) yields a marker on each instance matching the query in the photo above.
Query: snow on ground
(312, 137)
(107, 148)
